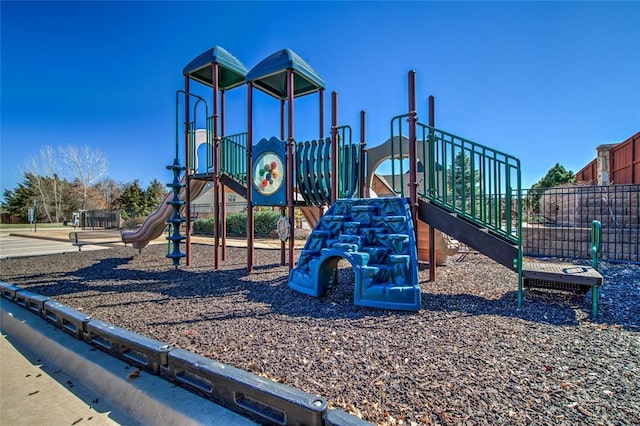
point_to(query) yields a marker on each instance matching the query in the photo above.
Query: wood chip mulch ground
(468, 357)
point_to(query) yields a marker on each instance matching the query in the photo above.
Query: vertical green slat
(476, 189)
(210, 143)
(192, 144)
(508, 200)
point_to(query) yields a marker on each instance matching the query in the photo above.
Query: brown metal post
(216, 168)
(321, 133)
(223, 189)
(334, 146)
(413, 161)
(432, 231)
(250, 222)
(282, 121)
(363, 153)
(283, 245)
(290, 166)
(223, 222)
(321, 118)
(186, 176)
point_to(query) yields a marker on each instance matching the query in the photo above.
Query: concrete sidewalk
(50, 378)
(33, 393)
(62, 235)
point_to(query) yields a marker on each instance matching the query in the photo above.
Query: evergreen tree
(556, 176)
(461, 181)
(154, 195)
(132, 200)
(18, 201)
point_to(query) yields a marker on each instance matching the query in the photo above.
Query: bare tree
(44, 172)
(110, 190)
(85, 165)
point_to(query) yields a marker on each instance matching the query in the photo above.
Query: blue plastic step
(377, 254)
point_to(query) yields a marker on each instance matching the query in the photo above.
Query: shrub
(265, 222)
(237, 224)
(203, 226)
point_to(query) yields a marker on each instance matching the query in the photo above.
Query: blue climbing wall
(376, 236)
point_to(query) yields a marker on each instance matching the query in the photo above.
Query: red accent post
(223, 189)
(321, 133)
(186, 176)
(216, 168)
(432, 231)
(283, 245)
(321, 118)
(363, 152)
(413, 161)
(334, 146)
(290, 167)
(250, 222)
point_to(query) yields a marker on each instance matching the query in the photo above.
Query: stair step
(345, 246)
(399, 243)
(363, 208)
(377, 254)
(349, 238)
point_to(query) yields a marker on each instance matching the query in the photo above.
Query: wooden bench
(81, 238)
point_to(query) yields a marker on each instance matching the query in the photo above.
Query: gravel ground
(468, 357)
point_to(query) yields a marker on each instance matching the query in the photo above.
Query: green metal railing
(193, 148)
(474, 181)
(348, 163)
(233, 156)
(191, 130)
(596, 242)
(478, 184)
(398, 154)
(233, 160)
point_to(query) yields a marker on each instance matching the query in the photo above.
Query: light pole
(35, 220)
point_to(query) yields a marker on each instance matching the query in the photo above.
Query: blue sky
(544, 81)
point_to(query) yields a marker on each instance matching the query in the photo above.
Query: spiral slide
(155, 224)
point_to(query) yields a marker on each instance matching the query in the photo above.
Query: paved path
(14, 246)
(50, 378)
(33, 393)
(25, 243)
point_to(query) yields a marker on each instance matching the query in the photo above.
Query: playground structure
(466, 190)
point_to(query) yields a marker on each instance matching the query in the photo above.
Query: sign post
(32, 213)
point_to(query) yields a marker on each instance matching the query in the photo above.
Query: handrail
(347, 156)
(476, 182)
(596, 242)
(399, 156)
(233, 154)
(200, 99)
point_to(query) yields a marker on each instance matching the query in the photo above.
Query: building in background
(615, 164)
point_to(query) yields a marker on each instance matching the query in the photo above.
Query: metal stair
(472, 234)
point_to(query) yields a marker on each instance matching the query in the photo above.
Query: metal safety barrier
(258, 398)
(31, 301)
(8, 291)
(141, 351)
(68, 319)
(255, 397)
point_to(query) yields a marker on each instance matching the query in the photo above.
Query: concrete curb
(195, 239)
(148, 399)
(39, 237)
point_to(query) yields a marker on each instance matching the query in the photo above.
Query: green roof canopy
(231, 72)
(270, 75)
